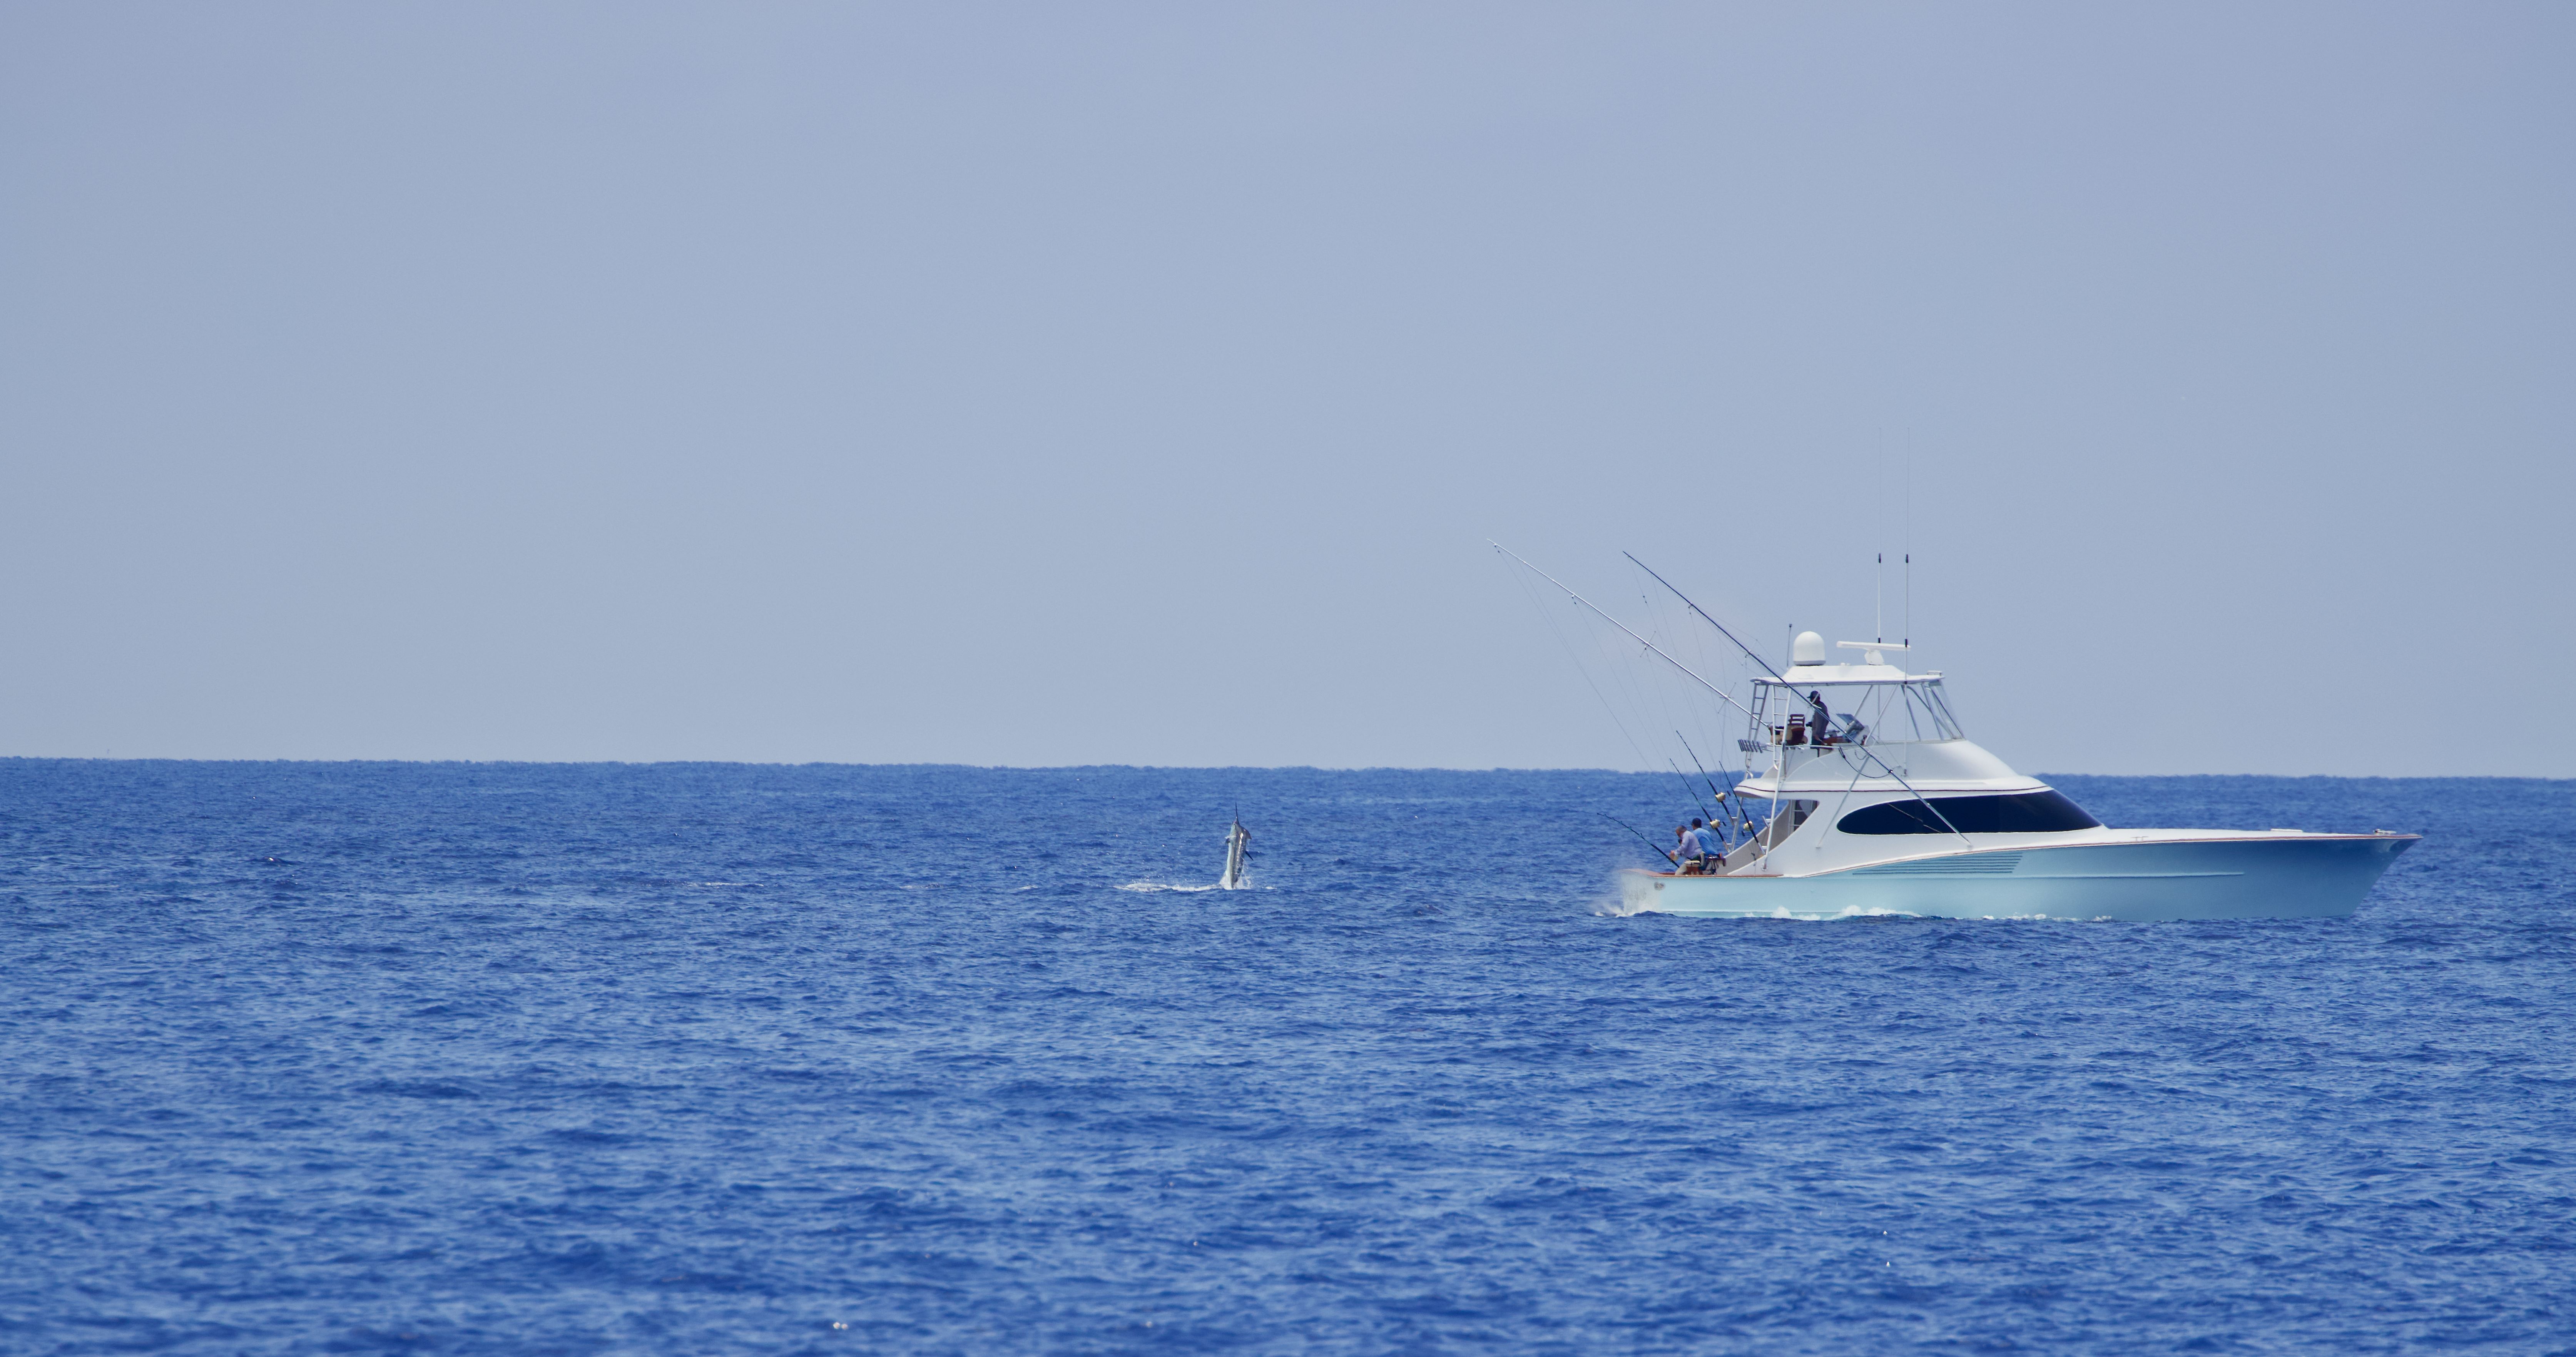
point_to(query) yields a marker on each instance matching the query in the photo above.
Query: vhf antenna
(1909, 553)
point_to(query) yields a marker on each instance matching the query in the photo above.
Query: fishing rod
(1741, 818)
(1763, 664)
(1622, 626)
(1659, 653)
(1705, 813)
(1641, 838)
(1703, 768)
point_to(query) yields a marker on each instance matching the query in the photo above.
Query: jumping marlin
(1238, 857)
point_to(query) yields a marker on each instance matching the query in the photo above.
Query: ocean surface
(706, 1059)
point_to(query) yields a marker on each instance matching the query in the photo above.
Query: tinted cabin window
(2019, 813)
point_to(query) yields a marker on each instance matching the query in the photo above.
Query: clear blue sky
(1139, 384)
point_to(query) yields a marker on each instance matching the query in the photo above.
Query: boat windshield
(1825, 712)
(2040, 812)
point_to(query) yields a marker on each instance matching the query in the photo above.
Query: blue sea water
(734, 1059)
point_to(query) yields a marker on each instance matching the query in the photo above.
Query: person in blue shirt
(1692, 859)
(1707, 845)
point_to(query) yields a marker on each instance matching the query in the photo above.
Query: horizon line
(1162, 768)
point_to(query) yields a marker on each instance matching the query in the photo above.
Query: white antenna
(1880, 582)
(1909, 553)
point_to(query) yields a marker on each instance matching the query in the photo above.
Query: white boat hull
(2304, 876)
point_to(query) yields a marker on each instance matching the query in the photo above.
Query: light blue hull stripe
(2281, 878)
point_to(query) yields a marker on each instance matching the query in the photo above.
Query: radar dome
(1809, 648)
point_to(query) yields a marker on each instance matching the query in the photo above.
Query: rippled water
(709, 1059)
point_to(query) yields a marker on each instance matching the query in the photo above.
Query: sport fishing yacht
(1873, 801)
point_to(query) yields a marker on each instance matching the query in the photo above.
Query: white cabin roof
(1927, 765)
(1819, 675)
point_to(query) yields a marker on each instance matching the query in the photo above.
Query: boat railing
(1859, 735)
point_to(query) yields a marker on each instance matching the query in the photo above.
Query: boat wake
(1166, 886)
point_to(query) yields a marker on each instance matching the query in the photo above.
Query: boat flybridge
(1878, 803)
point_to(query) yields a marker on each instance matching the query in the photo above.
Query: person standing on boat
(1681, 850)
(1820, 727)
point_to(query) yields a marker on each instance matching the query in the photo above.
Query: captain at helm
(1795, 710)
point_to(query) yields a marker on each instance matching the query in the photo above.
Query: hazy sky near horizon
(1141, 383)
